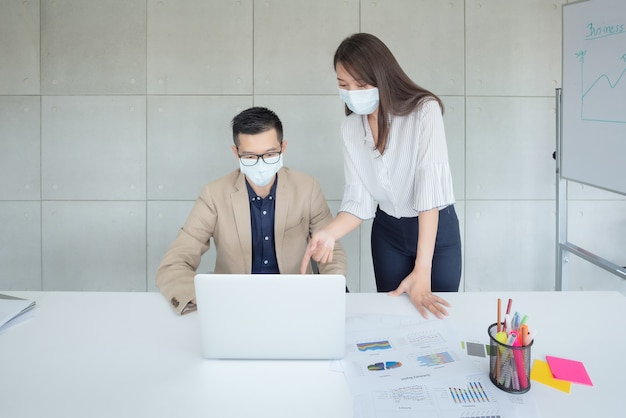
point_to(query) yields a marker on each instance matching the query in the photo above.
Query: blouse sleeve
(433, 179)
(356, 200)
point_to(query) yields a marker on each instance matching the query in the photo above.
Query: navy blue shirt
(262, 220)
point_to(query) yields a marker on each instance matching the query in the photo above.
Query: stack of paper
(11, 308)
(401, 366)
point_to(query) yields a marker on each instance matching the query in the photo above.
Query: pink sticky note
(570, 370)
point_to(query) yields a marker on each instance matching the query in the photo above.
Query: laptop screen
(271, 316)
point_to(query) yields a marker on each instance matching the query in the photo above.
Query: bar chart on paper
(472, 393)
(436, 359)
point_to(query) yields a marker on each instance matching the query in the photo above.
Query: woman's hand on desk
(417, 286)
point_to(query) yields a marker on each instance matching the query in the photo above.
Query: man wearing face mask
(260, 216)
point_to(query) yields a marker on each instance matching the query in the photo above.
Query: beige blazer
(222, 212)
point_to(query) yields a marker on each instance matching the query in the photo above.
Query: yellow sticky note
(541, 373)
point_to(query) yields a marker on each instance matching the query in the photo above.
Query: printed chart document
(11, 308)
(399, 367)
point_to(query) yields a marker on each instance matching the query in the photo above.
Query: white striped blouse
(411, 176)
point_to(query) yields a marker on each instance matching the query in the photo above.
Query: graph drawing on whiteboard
(592, 133)
(603, 87)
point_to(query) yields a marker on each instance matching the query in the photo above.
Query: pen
(500, 353)
(514, 322)
(508, 374)
(515, 380)
(503, 374)
(499, 308)
(506, 315)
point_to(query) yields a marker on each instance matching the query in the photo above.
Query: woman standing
(396, 171)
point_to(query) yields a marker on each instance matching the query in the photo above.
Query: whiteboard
(594, 94)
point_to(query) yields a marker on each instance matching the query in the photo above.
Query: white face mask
(361, 102)
(261, 173)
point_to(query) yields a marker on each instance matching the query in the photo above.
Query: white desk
(129, 355)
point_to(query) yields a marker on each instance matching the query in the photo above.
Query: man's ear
(283, 147)
(235, 152)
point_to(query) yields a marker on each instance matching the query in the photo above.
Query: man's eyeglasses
(252, 159)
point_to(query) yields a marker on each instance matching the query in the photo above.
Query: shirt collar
(253, 196)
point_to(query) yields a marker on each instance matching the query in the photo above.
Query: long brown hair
(367, 58)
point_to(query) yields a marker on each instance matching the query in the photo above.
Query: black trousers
(394, 248)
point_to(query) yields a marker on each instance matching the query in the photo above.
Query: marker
(512, 338)
(523, 320)
(502, 338)
(524, 331)
(514, 321)
(521, 368)
(508, 306)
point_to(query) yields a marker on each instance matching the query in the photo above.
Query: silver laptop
(271, 316)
